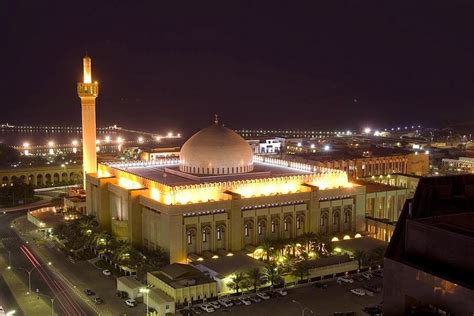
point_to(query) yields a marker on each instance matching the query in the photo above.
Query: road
(22, 259)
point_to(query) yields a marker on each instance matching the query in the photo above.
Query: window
(219, 233)
(246, 230)
(204, 235)
(261, 226)
(299, 221)
(346, 217)
(189, 236)
(335, 218)
(273, 226)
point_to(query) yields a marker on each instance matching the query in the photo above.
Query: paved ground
(80, 275)
(336, 298)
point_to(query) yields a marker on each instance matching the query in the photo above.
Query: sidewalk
(45, 200)
(29, 304)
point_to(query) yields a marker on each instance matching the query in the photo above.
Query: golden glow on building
(219, 191)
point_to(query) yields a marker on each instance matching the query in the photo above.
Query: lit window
(219, 233)
(298, 222)
(246, 230)
(273, 226)
(261, 226)
(204, 236)
(286, 224)
(190, 237)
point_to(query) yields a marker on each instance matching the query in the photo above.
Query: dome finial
(216, 118)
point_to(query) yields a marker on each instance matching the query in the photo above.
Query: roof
(170, 175)
(215, 150)
(371, 187)
(364, 243)
(226, 265)
(129, 282)
(178, 275)
(435, 229)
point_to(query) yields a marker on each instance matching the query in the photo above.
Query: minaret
(88, 91)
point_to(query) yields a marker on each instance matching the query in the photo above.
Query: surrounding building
(463, 164)
(183, 283)
(42, 176)
(428, 264)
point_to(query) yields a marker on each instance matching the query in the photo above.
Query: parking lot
(336, 298)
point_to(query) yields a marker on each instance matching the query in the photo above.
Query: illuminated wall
(324, 178)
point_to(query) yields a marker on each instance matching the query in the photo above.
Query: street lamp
(52, 298)
(303, 308)
(146, 291)
(29, 272)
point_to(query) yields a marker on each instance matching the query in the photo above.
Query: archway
(48, 179)
(39, 179)
(5, 181)
(56, 178)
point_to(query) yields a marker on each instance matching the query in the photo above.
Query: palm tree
(307, 240)
(301, 270)
(360, 256)
(377, 254)
(236, 282)
(292, 245)
(279, 245)
(267, 248)
(256, 278)
(272, 274)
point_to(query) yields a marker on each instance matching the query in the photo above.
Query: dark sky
(270, 65)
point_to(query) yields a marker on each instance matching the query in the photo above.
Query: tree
(361, 257)
(272, 274)
(236, 282)
(8, 155)
(377, 254)
(307, 239)
(256, 278)
(301, 270)
(267, 247)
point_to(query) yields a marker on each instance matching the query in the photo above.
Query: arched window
(274, 226)
(220, 232)
(335, 218)
(189, 236)
(246, 230)
(261, 227)
(299, 221)
(286, 224)
(205, 234)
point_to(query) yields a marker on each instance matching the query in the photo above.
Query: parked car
(281, 292)
(263, 295)
(214, 304)
(207, 308)
(98, 300)
(106, 272)
(225, 302)
(196, 310)
(236, 302)
(344, 279)
(367, 275)
(378, 274)
(89, 292)
(373, 288)
(121, 294)
(359, 292)
(131, 302)
(245, 300)
(254, 298)
(359, 278)
(368, 292)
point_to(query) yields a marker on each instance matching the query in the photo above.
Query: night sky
(265, 65)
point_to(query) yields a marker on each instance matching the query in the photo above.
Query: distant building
(463, 164)
(429, 266)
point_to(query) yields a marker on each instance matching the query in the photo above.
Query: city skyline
(256, 66)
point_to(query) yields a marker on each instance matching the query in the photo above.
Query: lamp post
(146, 291)
(29, 272)
(303, 308)
(52, 298)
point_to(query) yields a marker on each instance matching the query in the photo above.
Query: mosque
(218, 198)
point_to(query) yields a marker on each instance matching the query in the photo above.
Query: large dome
(216, 150)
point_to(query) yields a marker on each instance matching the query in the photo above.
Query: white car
(214, 304)
(368, 293)
(245, 300)
(367, 275)
(345, 280)
(106, 272)
(263, 295)
(281, 292)
(359, 292)
(225, 302)
(131, 302)
(208, 308)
